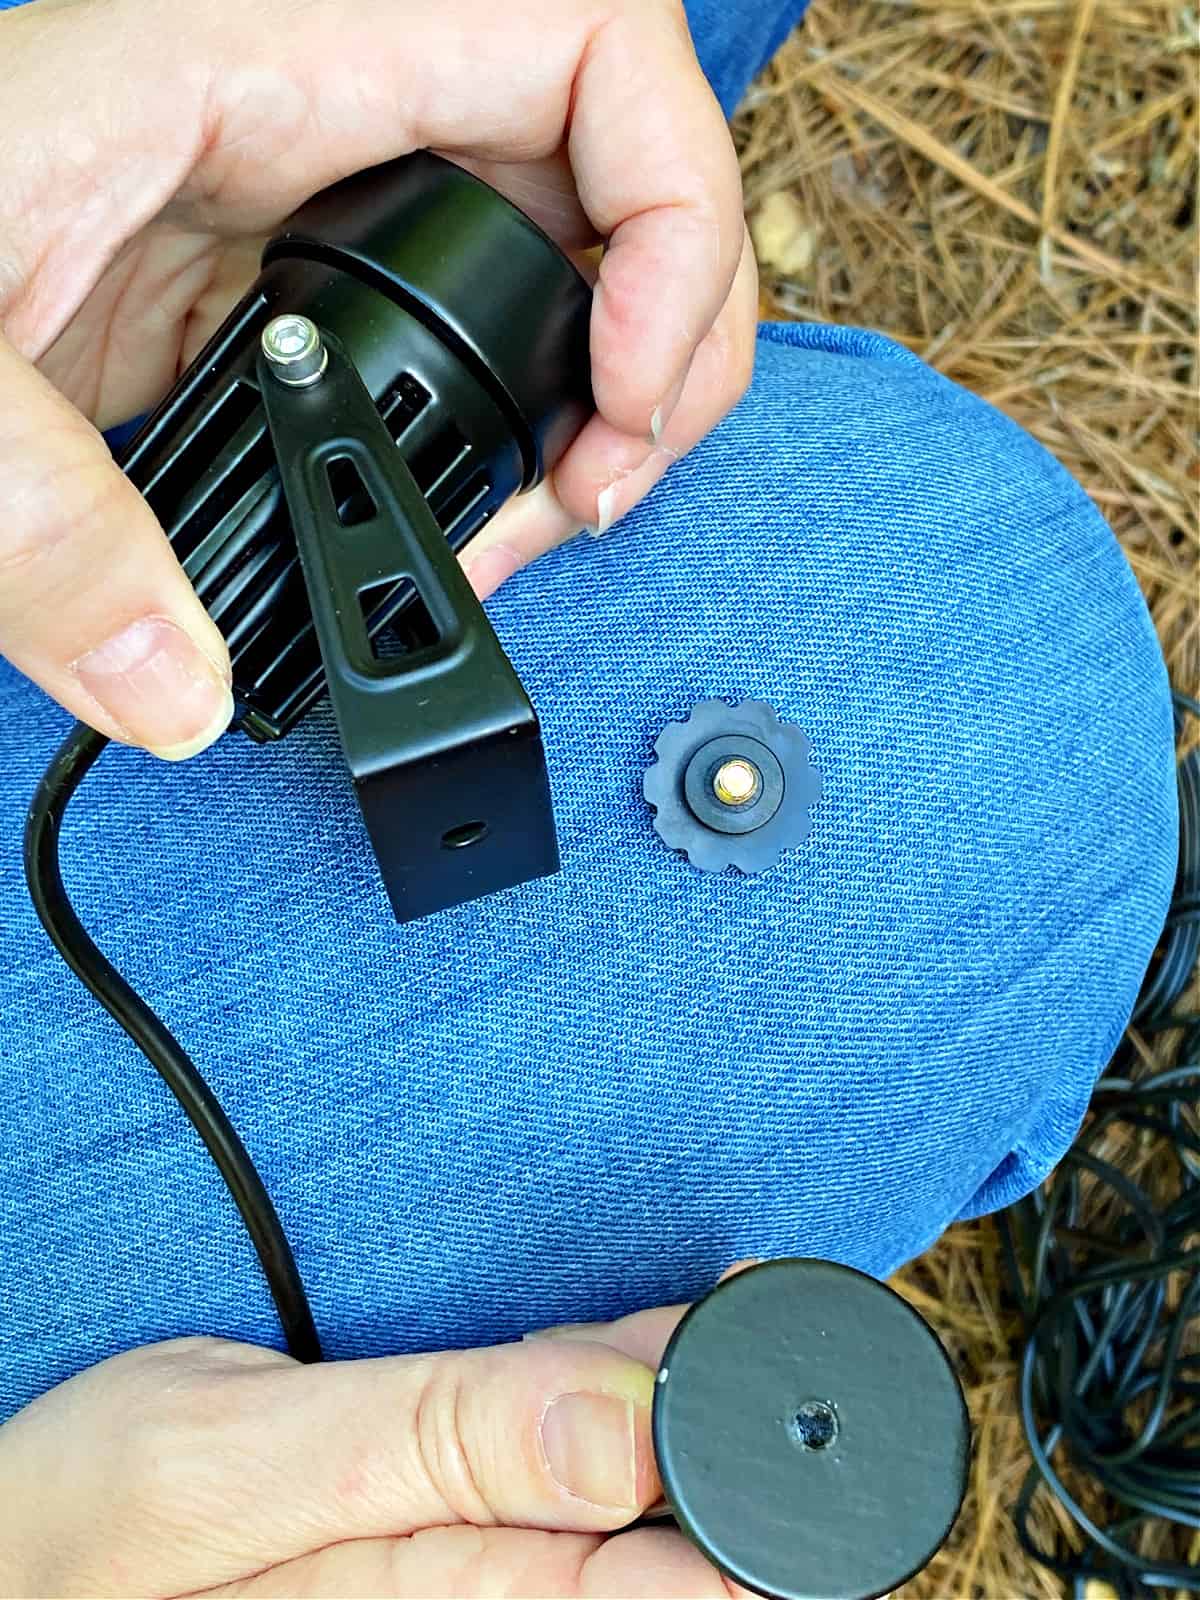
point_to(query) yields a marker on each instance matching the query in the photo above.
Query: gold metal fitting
(737, 782)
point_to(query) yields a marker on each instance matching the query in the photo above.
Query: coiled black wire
(1107, 1275)
(74, 759)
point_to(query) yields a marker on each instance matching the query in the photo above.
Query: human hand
(202, 1467)
(152, 147)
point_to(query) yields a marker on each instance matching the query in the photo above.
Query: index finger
(658, 177)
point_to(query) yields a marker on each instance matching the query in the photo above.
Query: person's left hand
(202, 1467)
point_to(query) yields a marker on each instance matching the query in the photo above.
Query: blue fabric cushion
(589, 1094)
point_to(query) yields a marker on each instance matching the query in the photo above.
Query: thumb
(553, 1437)
(94, 606)
(204, 1462)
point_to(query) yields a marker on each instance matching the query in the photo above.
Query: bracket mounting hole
(464, 836)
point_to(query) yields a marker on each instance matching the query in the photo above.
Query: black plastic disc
(811, 1434)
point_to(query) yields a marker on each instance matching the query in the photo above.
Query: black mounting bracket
(442, 742)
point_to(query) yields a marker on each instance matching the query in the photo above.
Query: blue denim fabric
(736, 38)
(590, 1094)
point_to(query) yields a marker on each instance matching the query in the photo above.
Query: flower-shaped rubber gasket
(708, 847)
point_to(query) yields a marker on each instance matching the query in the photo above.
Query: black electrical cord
(1105, 1266)
(1108, 1376)
(74, 759)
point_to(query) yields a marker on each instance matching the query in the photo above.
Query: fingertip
(158, 687)
(488, 568)
(639, 380)
(204, 740)
(527, 527)
(593, 1450)
(594, 1427)
(743, 1265)
(96, 607)
(641, 349)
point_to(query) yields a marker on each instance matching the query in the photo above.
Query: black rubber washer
(703, 768)
(811, 1434)
(696, 823)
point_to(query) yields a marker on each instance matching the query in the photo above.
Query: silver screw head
(294, 347)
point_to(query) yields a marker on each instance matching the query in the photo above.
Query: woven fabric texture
(590, 1094)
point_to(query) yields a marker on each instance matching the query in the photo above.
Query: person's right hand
(202, 1467)
(150, 147)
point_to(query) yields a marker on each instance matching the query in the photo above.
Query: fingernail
(606, 509)
(490, 568)
(162, 689)
(590, 1442)
(665, 409)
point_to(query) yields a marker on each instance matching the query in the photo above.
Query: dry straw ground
(1009, 188)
